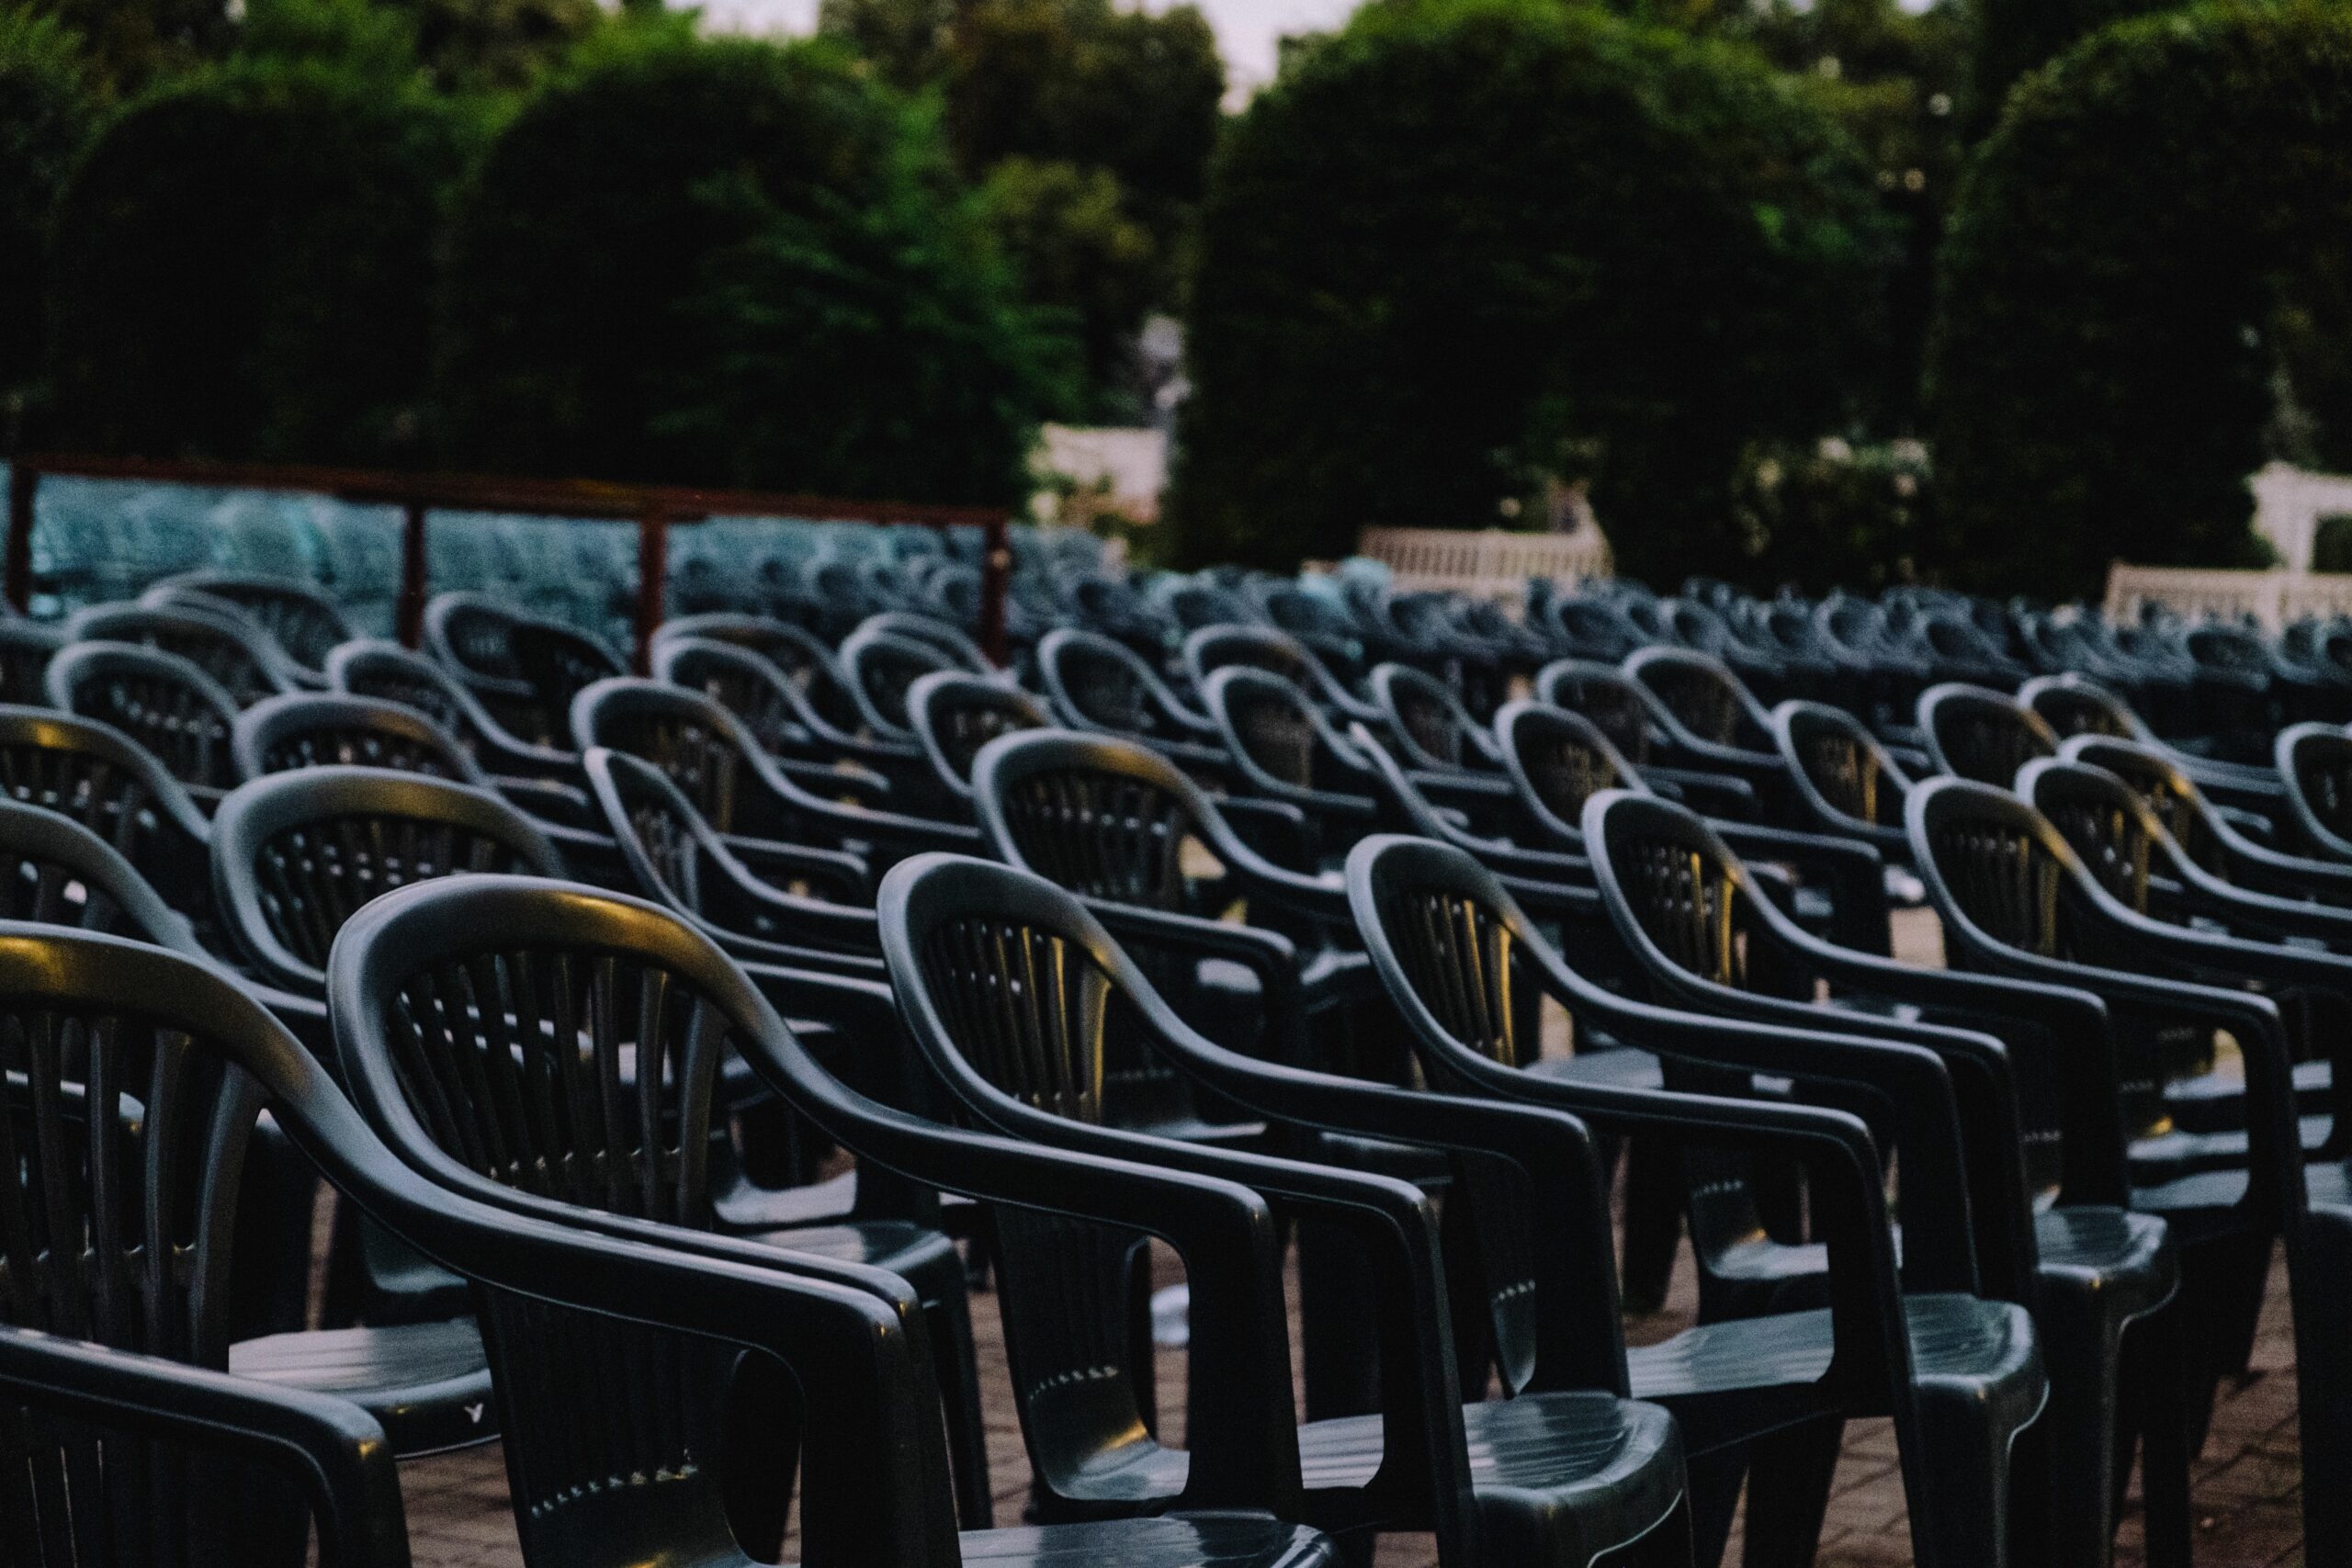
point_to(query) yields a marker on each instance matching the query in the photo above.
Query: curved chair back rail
(2073, 705)
(1978, 733)
(297, 854)
(954, 715)
(314, 729)
(1099, 684)
(525, 670)
(305, 623)
(1282, 745)
(963, 653)
(2315, 763)
(165, 703)
(99, 777)
(880, 666)
(809, 713)
(235, 652)
(58, 873)
(794, 651)
(1623, 709)
(1213, 647)
(26, 650)
(1705, 695)
(1844, 778)
(1556, 761)
(1428, 723)
(388, 672)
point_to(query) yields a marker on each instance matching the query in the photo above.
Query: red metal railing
(654, 509)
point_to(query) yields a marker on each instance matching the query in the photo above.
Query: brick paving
(2246, 1505)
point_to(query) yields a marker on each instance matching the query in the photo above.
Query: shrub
(1834, 516)
(2014, 36)
(244, 262)
(2150, 210)
(46, 116)
(650, 232)
(1464, 248)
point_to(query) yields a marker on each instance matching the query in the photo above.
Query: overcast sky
(1246, 29)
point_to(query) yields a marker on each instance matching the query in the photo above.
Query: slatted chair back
(1976, 733)
(55, 872)
(2110, 827)
(880, 666)
(1606, 695)
(1688, 897)
(297, 854)
(1843, 776)
(99, 777)
(945, 636)
(2315, 762)
(567, 1044)
(954, 714)
(26, 650)
(1096, 682)
(124, 1136)
(469, 633)
(1704, 696)
(1214, 648)
(317, 729)
(744, 683)
(1998, 863)
(1282, 741)
(2075, 705)
(1556, 761)
(2178, 804)
(304, 621)
(389, 672)
(1427, 722)
(234, 652)
(694, 741)
(165, 703)
(798, 654)
(1104, 819)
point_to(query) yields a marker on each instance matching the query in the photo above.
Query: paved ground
(2246, 1505)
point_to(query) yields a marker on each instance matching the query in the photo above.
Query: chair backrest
(1993, 861)
(1843, 776)
(1212, 648)
(2110, 826)
(942, 634)
(2315, 762)
(306, 622)
(1976, 733)
(102, 779)
(1446, 941)
(880, 666)
(55, 872)
(1685, 891)
(297, 854)
(314, 729)
(1619, 706)
(389, 672)
(747, 684)
(1103, 818)
(2073, 705)
(2170, 793)
(796, 653)
(1556, 761)
(1097, 682)
(26, 650)
(468, 633)
(165, 703)
(691, 739)
(1274, 729)
(1703, 694)
(525, 670)
(1427, 722)
(234, 652)
(954, 715)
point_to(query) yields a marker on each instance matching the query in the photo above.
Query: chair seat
(2215, 1102)
(426, 1383)
(1194, 1540)
(2122, 1260)
(1954, 1339)
(1624, 1067)
(2170, 1155)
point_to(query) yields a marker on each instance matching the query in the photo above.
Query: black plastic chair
(26, 650)
(1007, 985)
(2213, 837)
(962, 651)
(1844, 781)
(2016, 900)
(880, 666)
(809, 731)
(2315, 762)
(525, 668)
(1285, 750)
(2075, 704)
(318, 729)
(1639, 725)
(449, 1089)
(953, 715)
(740, 789)
(1212, 648)
(1711, 721)
(1981, 734)
(232, 650)
(1464, 965)
(304, 621)
(1706, 939)
(1096, 683)
(165, 703)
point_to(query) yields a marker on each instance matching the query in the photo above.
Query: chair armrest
(837, 873)
(550, 801)
(1854, 872)
(335, 1449)
(830, 779)
(1709, 795)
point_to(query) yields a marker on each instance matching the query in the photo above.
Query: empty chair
(26, 650)
(947, 637)
(1285, 750)
(388, 672)
(2075, 704)
(2214, 838)
(1982, 735)
(305, 623)
(233, 651)
(165, 703)
(1212, 648)
(524, 669)
(809, 727)
(1844, 781)
(1005, 982)
(1961, 1375)
(880, 665)
(315, 730)
(2315, 762)
(1711, 720)
(1649, 737)
(952, 715)
(1428, 726)
(1097, 683)
(736, 786)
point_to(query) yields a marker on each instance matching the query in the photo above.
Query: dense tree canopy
(1469, 246)
(2144, 295)
(46, 116)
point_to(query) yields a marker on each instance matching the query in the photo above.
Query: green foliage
(2332, 543)
(2159, 220)
(1467, 246)
(1079, 254)
(46, 117)
(908, 40)
(243, 263)
(495, 45)
(133, 42)
(677, 262)
(1835, 516)
(2014, 36)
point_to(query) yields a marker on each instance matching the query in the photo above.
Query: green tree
(495, 45)
(244, 259)
(2145, 252)
(46, 117)
(909, 41)
(2014, 36)
(1468, 245)
(1078, 252)
(133, 42)
(651, 235)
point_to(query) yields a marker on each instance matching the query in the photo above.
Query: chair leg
(2221, 1284)
(1712, 1495)
(1652, 1222)
(2323, 1268)
(1962, 1519)
(2154, 1351)
(1789, 1477)
(958, 1361)
(2067, 1459)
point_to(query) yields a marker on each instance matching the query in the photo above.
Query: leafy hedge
(245, 264)
(738, 263)
(2147, 248)
(1468, 245)
(46, 116)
